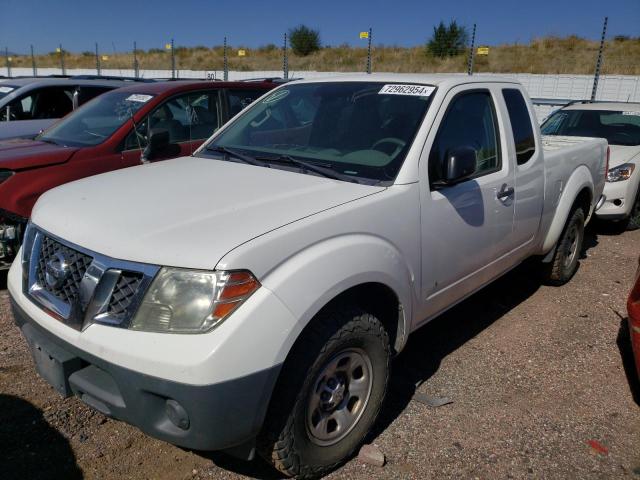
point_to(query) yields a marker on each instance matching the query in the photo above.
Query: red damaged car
(121, 128)
(633, 308)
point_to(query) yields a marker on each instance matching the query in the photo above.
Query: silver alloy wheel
(572, 249)
(339, 397)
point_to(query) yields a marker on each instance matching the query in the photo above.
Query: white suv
(619, 123)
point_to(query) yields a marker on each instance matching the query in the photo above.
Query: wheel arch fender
(312, 278)
(578, 190)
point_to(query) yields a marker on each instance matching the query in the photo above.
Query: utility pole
(471, 51)
(225, 74)
(97, 60)
(33, 63)
(596, 76)
(136, 67)
(369, 52)
(285, 59)
(64, 70)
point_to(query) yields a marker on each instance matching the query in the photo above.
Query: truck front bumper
(219, 416)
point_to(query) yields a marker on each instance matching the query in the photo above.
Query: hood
(188, 212)
(622, 154)
(24, 128)
(20, 153)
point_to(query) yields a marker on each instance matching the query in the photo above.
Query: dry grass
(569, 55)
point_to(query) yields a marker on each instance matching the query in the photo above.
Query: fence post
(596, 76)
(8, 61)
(369, 51)
(471, 51)
(173, 61)
(33, 63)
(285, 59)
(136, 68)
(64, 70)
(225, 74)
(97, 60)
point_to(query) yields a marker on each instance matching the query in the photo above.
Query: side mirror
(157, 145)
(460, 164)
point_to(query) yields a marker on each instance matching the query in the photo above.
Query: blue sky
(78, 24)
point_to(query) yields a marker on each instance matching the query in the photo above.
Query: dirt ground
(540, 378)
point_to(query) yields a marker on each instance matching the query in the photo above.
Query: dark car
(29, 105)
(121, 128)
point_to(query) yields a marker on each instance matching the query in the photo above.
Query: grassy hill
(568, 55)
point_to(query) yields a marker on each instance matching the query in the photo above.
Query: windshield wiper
(46, 140)
(325, 170)
(238, 155)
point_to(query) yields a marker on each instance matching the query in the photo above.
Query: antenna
(135, 133)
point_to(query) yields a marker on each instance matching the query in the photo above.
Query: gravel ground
(540, 380)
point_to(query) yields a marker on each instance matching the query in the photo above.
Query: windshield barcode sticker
(416, 90)
(636, 114)
(138, 97)
(6, 89)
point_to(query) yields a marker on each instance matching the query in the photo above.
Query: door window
(470, 121)
(50, 102)
(193, 116)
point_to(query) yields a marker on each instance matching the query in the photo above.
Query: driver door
(466, 226)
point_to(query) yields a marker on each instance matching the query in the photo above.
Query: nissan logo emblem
(57, 270)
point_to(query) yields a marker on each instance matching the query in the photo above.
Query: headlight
(192, 301)
(621, 172)
(5, 174)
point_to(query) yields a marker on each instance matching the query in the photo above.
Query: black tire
(286, 440)
(568, 250)
(633, 221)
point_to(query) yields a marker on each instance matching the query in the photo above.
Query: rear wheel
(328, 395)
(565, 259)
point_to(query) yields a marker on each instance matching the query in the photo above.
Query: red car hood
(18, 154)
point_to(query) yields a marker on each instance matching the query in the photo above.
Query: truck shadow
(3, 279)
(30, 447)
(429, 345)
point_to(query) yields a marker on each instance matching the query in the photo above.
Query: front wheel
(565, 259)
(328, 395)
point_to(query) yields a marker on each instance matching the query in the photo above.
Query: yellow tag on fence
(242, 53)
(483, 51)
(364, 34)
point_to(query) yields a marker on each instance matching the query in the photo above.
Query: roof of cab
(156, 88)
(37, 82)
(437, 79)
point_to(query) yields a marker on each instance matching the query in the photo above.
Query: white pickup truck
(251, 297)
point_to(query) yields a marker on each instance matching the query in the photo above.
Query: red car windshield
(95, 121)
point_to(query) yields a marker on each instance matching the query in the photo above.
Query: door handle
(505, 192)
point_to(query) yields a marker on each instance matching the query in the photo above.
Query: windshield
(96, 120)
(360, 129)
(6, 90)
(618, 127)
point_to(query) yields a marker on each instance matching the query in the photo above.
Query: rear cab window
(521, 125)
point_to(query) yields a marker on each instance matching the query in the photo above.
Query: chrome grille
(78, 286)
(78, 263)
(124, 293)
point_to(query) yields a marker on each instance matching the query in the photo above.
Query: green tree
(304, 40)
(447, 41)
